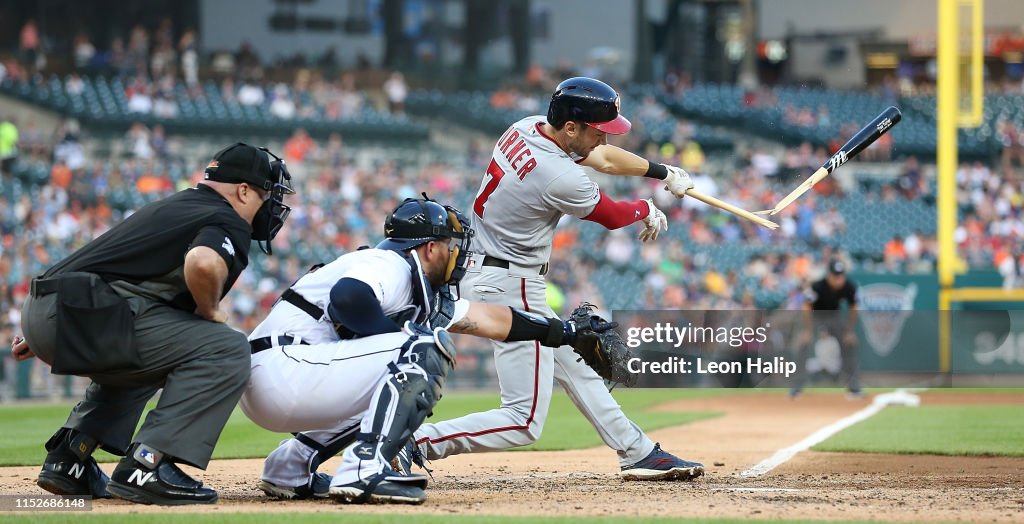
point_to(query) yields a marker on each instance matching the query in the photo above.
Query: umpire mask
(241, 163)
(271, 216)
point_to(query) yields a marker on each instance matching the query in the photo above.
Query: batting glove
(654, 223)
(677, 181)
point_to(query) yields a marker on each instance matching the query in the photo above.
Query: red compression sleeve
(613, 215)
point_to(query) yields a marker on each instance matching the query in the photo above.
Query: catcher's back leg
(405, 397)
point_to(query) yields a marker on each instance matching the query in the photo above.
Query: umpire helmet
(590, 101)
(417, 221)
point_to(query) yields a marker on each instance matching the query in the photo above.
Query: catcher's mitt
(600, 346)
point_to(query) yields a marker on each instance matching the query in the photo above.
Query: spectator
(910, 182)
(69, 149)
(1012, 140)
(248, 62)
(84, 51)
(74, 85)
(396, 92)
(165, 107)
(189, 58)
(138, 142)
(60, 175)
(692, 157)
(30, 46)
(227, 90)
(138, 50)
(162, 59)
(8, 144)
(298, 146)
(138, 94)
(282, 106)
(250, 94)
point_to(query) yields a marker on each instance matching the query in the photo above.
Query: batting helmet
(417, 221)
(590, 101)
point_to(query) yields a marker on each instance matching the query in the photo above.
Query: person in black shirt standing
(137, 310)
(822, 311)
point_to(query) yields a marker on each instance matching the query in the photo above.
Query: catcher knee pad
(432, 352)
(409, 395)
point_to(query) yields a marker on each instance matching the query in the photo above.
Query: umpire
(136, 310)
(822, 314)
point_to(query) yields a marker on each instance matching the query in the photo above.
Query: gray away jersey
(529, 184)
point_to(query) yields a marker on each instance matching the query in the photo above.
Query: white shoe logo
(139, 477)
(366, 450)
(76, 470)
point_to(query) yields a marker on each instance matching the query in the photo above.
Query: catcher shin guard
(409, 395)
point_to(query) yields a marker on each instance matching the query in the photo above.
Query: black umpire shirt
(147, 250)
(824, 298)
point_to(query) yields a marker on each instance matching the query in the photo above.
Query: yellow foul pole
(947, 115)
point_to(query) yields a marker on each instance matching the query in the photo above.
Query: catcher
(339, 327)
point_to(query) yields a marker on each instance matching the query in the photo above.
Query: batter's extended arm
(614, 160)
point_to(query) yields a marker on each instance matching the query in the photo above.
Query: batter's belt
(497, 262)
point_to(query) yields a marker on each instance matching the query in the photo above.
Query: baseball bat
(725, 206)
(864, 138)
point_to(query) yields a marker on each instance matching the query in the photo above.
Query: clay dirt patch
(812, 485)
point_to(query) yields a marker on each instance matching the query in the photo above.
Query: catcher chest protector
(409, 395)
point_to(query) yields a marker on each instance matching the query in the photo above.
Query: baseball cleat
(67, 476)
(386, 487)
(855, 394)
(146, 476)
(662, 465)
(69, 468)
(319, 485)
(410, 454)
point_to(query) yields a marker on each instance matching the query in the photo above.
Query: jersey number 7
(492, 184)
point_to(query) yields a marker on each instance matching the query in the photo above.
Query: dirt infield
(810, 486)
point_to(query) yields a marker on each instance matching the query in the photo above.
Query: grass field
(976, 430)
(26, 427)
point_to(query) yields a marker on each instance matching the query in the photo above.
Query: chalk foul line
(900, 397)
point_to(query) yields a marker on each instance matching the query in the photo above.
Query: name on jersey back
(513, 146)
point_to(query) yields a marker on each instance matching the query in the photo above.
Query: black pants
(850, 370)
(202, 366)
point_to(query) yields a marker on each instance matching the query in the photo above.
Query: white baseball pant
(525, 372)
(324, 391)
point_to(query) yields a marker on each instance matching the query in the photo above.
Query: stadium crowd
(340, 204)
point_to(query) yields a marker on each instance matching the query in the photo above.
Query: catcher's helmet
(590, 101)
(417, 221)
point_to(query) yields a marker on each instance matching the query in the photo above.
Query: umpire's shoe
(662, 465)
(69, 468)
(147, 476)
(387, 487)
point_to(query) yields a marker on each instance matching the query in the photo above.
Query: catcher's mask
(240, 163)
(417, 221)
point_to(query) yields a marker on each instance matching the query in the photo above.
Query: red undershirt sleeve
(613, 215)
